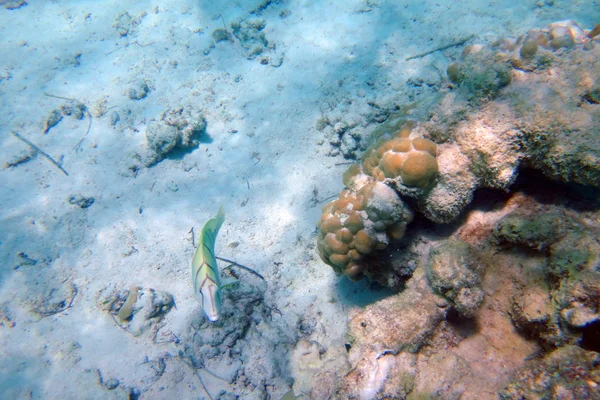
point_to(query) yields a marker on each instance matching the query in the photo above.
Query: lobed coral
(358, 223)
(406, 158)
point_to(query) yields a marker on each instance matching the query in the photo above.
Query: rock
(567, 373)
(254, 41)
(317, 370)
(81, 201)
(112, 383)
(114, 118)
(579, 300)
(139, 90)
(178, 129)
(53, 119)
(574, 253)
(454, 271)
(533, 315)
(138, 309)
(74, 109)
(220, 35)
(246, 346)
(481, 76)
(534, 231)
(385, 337)
(13, 4)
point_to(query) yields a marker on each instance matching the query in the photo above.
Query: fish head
(211, 300)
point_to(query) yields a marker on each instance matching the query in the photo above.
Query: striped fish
(205, 272)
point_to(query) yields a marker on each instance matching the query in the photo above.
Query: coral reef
(428, 341)
(178, 128)
(568, 373)
(517, 282)
(495, 124)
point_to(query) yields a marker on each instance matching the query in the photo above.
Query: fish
(205, 271)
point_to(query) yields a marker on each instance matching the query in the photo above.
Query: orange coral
(363, 242)
(401, 145)
(391, 164)
(368, 213)
(344, 235)
(424, 145)
(339, 260)
(353, 222)
(330, 223)
(387, 159)
(420, 170)
(334, 245)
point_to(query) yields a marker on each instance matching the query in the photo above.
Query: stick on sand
(18, 136)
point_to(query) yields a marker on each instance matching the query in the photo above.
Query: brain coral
(359, 222)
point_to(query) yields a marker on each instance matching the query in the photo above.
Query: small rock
(453, 271)
(13, 4)
(139, 90)
(111, 383)
(114, 118)
(53, 119)
(75, 109)
(81, 201)
(220, 35)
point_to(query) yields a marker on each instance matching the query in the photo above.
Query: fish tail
(220, 217)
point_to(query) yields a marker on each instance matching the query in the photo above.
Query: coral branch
(455, 44)
(233, 263)
(18, 136)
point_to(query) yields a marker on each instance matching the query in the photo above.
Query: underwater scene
(277, 199)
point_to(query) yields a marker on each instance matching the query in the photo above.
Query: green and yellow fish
(205, 272)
